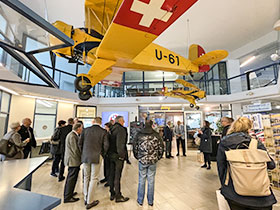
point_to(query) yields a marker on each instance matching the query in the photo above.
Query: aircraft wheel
(197, 107)
(79, 83)
(192, 105)
(85, 95)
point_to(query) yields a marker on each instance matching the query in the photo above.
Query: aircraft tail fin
(203, 60)
(196, 51)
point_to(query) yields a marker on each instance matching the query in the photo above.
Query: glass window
(3, 124)
(153, 88)
(44, 125)
(135, 89)
(64, 65)
(153, 76)
(45, 118)
(134, 76)
(3, 24)
(193, 120)
(83, 69)
(170, 76)
(45, 107)
(67, 82)
(5, 102)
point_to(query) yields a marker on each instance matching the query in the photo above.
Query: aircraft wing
(100, 13)
(186, 84)
(136, 24)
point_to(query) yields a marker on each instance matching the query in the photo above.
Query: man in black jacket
(64, 131)
(27, 132)
(117, 153)
(94, 143)
(168, 136)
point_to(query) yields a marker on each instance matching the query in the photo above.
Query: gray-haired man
(93, 143)
(72, 159)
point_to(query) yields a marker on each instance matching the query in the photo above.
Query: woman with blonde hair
(238, 137)
(15, 138)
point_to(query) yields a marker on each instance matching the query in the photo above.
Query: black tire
(192, 105)
(79, 86)
(197, 107)
(85, 95)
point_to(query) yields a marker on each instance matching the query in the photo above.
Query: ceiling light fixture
(43, 103)
(247, 61)
(8, 90)
(50, 99)
(70, 102)
(207, 109)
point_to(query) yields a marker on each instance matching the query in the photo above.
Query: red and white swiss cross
(152, 16)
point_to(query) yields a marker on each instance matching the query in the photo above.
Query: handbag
(8, 148)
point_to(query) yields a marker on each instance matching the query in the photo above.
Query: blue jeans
(146, 172)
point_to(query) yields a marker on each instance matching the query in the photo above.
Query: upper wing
(137, 24)
(100, 13)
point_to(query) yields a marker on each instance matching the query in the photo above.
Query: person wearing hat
(15, 138)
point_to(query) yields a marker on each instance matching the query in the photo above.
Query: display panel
(107, 116)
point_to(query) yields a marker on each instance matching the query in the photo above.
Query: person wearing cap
(15, 138)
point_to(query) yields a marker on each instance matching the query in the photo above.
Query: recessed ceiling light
(8, 90)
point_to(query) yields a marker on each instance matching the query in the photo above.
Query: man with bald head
(27, 132)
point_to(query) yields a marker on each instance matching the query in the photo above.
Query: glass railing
(253, 79)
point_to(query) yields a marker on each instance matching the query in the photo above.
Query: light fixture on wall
(44, 103)
(276, 26)
(50, 99)
(8, 90)
(247, 61)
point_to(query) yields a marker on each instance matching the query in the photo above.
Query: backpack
(248, 170)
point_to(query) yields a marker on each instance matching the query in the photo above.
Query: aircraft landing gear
(197, 107)
(82, 83)
(85, 95)
(192, 105)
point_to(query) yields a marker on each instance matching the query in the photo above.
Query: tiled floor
(180, 185)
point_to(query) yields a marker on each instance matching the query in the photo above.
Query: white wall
(254, 45)
(65, 111)
(21, 107)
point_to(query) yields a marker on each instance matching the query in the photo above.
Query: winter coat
(233, 141)
(148, 146)
(55, 142)
(15, 138)
(117, 142)
(205, 140)
(93, 143)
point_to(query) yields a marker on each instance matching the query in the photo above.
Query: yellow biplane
(192, 94)
(118, 37)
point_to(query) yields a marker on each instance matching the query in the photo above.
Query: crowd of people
(72, 145)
